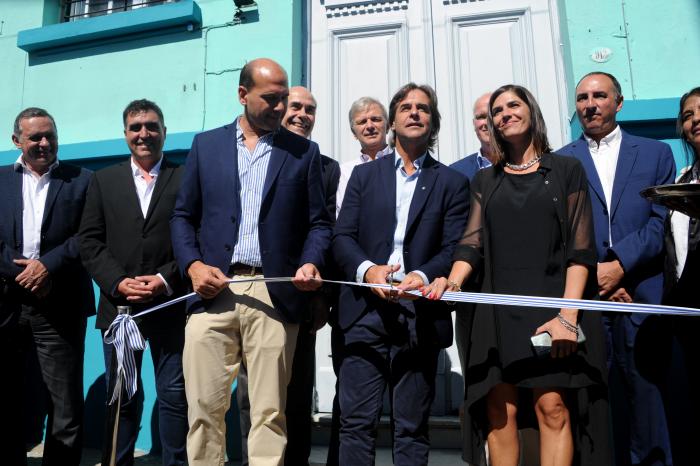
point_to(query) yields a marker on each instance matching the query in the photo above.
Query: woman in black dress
(681, 278)
(530, 228)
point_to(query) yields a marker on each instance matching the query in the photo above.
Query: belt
(244, 269)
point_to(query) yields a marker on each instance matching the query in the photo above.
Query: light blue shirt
(252, 171)
(481, 161)
(405, 187)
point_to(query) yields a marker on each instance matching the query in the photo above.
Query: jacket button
(606, 244)
(227, 247)
(233, 219)
(555, 199)
(546, 181)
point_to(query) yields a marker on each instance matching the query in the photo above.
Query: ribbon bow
(124, 334)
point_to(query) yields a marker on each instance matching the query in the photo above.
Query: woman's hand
(564, 341)
(435, 289)
(459, 273)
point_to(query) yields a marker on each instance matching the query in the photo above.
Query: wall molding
(336, 8)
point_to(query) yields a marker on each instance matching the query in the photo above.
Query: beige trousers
(240, 325)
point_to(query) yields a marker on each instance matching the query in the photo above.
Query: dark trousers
(299, 401)
(166, 346)
(337, 354)
(380, 350)
(639, 425)
(58, 338)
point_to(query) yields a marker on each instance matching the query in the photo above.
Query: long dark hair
(689, 150)
(538, 129)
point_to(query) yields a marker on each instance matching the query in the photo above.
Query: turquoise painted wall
(654, 48)
(192, 75)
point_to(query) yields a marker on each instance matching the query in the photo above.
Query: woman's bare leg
(501, 408)
(556, 442)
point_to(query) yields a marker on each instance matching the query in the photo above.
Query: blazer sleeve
(646, 243)
(454, 220)
(318, 239)
(187, 214)
(346, 248)
(97, 258)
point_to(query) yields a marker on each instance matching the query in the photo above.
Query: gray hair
(361, 104)
(31, 112)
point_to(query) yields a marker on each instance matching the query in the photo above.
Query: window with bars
(74, 10)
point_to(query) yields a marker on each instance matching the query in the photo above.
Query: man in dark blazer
(125, 246)
(629, 239)
(402, 215)
(300, 119)
(251, 206)
(472, 163)
(46, 293)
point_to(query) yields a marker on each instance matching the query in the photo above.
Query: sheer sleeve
(580, 248)
(470, 248)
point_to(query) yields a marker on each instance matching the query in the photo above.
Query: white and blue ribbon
(124, 334)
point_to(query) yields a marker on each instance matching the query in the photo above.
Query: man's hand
(307, 278)
(379, 274)
(207, 281)
(609, 276)
(34, 276)
(134, 290)
(620, 295)
(412, 281)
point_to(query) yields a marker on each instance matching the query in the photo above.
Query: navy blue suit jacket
(294, 223)
(71, 289)
(365, 231)
(637, 225)
(468, 166)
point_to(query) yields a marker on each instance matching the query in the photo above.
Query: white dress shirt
(34, 191)
(346, 171)
(405, 187)
(144, 191)
(605, 157)
(680, 225)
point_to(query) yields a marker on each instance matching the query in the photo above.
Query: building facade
(84, 65)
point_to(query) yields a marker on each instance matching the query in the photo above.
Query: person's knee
(500, 413)
(552, 412)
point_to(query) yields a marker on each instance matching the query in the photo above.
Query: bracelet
(453, 285)
(567, 325)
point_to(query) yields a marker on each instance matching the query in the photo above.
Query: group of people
(256, 199)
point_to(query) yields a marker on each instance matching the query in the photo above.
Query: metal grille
(78, 9)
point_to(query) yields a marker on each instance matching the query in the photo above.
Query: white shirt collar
(136, 170)
(611, 138)
(386, 151)
(418, 163)
(20, 165)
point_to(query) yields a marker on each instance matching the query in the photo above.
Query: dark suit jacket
(468, 166)
(365, 231)
(71, 291)
(116, 241)
(294, 226)
(636, 224)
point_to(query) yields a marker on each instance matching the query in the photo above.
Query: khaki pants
(240, 325)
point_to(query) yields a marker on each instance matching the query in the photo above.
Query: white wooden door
(463, 48)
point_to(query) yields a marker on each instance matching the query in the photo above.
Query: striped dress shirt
(252, 171)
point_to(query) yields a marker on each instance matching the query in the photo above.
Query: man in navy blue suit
(402, 216)
(629, 239)
(251, 205)
(46, 292)
(480, 159)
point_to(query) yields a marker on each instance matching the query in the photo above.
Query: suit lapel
(424, 185)
(55, 185)
(127, 179)
(625, 163)
(584, 155)
(166, 172)
(277, 158)
(15, 189)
